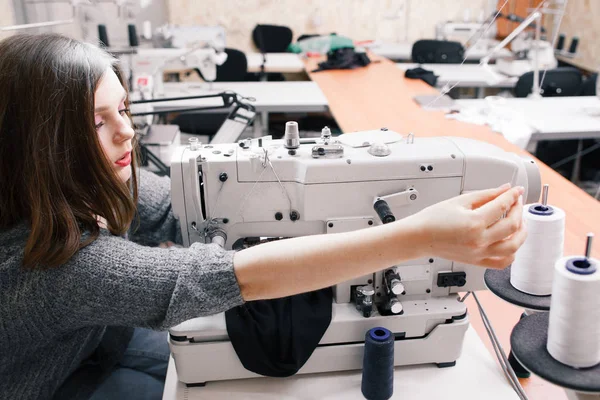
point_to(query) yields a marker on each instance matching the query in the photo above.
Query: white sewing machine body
(523, 44)
(478, 37)
(148, 65)
(231, 194)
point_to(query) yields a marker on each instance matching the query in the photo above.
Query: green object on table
(321, 44)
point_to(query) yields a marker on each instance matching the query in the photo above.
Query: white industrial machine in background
(147, 66)
(526, 48)
(262, 189)
(476, 36)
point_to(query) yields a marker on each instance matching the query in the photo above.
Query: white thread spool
(533, 269)
(574, 327)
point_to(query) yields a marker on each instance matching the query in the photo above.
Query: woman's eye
(123, 111)
(99, 125)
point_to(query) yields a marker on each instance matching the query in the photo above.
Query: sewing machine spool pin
(588, 245)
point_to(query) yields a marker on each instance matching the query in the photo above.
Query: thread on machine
(378, 365)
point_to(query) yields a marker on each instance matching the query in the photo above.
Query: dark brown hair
(54, 175)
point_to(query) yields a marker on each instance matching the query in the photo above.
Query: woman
(80, 225)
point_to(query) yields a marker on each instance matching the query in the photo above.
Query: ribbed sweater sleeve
(116, 282)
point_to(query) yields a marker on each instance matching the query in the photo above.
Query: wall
(581, 19)
(6, 16)
(88, 17)
(386, 20)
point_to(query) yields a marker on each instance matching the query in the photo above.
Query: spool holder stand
(528, 343)
(530, 335)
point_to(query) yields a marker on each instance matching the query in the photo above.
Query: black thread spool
(103, 36)
(574, 43)
(132, 35)
(561, 42)
(378, 365)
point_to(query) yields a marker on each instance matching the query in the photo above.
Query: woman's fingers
(495, 209)
(497, 262)
(477, 199)
(509, 246)
(506, 226)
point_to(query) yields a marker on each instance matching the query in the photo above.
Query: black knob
(278, 216)
(321, 151)
(223, 176)
(383, 210)
(294, 216)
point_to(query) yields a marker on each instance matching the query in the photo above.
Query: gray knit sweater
(55, 322)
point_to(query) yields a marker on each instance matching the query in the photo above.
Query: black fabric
(421, 73)
(561, 81)
(276, 337)
(427, 51)
(272, 38)
(344, 58)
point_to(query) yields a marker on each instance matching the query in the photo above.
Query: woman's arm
(467, 228)
(157, 223)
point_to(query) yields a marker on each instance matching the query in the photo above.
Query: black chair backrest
(561, 81)
(234, 69)
(272, 38)
(428, 51)
(588, 86)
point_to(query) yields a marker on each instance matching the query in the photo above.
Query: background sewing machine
(237, 194)
(147, 66)
(524, 48)
(473, 35)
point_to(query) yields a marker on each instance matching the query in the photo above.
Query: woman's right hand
(470, 228)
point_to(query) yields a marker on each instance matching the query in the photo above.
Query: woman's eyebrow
(104, 108)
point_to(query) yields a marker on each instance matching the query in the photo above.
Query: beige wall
(6, 15)
(582, 19)
(389, 20)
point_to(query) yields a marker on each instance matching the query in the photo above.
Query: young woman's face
(112, 123)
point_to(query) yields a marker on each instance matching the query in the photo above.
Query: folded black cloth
(344, 58)
(276, 337)
(420, 73)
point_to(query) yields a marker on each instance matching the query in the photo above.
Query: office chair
(232, 70)
(588, 86)
(428, 51)
(207, 124)
(561, 81)
(271, 39)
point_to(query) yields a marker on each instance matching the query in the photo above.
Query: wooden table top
(379, 96)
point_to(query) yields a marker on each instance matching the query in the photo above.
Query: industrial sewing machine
(263, 189)
(473, 35)
(148, 65)
(524, 48)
